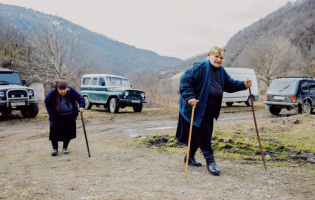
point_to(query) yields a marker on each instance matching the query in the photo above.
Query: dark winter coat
(195, 83)
(51, 104)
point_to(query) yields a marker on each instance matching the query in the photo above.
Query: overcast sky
(178, 28)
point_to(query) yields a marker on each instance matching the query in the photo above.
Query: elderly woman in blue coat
(62, 107)
(204, 81)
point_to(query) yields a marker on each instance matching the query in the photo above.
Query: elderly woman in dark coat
(205, 81)
(61, 104)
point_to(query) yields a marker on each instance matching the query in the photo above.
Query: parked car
(113, 92)
(291, 93)
(241, 74)
(15, 96)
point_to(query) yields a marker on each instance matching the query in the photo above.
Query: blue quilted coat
(51, 104)
(195, 83)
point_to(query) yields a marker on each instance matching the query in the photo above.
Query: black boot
(212, 166)
(192, 161)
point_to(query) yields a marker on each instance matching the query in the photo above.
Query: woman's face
(216, 61)
(62, 92)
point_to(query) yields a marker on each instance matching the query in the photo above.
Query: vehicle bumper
(280, 103)
(6, 105)
(129, 101)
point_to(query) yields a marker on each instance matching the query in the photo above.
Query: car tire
(273, 110)
(6, 113)
(114, 105)
(137, 107)
(248, 102)
(306, 107)
(30, 111)
(229, 103)
(88, 104)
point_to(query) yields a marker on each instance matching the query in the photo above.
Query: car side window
(100, 81)
(94, 81)
(86, 81)
(108, 79)
(312, 86)
(304, 86)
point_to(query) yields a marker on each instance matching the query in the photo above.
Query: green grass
(239, 139)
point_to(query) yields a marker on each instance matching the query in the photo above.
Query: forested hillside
(108, 55)
(280, 44)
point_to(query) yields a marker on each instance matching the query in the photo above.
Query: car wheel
(248, 102)
(306, 107)
(114, 105)
(229, 103)
(30, 111)
(273, 110)
(6, 113)
(137, 107)
(88, 104)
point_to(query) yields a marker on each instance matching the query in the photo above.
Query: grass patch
(238, 139)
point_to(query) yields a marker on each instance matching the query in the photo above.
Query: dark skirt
(63, 128)
(206, 127)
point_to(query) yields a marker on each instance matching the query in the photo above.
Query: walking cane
(262, 153)
(87, 144)
(190, 131)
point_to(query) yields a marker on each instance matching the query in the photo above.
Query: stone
(290, 121)
(271, 182)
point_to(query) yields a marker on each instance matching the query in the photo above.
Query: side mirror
(130, 86)
(23, 82)
(103, 83)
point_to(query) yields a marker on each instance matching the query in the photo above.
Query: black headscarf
(61, 84)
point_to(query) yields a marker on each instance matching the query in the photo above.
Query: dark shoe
(212, 166)
(65, 151)
(192, 161)
(213, 169)
(54, 152)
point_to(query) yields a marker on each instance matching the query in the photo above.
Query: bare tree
(56, 48)
(272, 57)
(308, 53)
(13, 45)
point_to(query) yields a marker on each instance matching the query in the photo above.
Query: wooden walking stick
(262, 153)
(87, 144)
(190, 131)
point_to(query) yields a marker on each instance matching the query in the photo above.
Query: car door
(93, 87)
(102, 92)
(312, 93)
(85, 86)
(304, 91)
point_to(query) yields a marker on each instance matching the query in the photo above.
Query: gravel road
(119, 170)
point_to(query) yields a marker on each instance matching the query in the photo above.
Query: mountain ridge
(111, 55)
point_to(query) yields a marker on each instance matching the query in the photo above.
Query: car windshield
(115, 81)
(125, 83)
(9, 78)
(281, 86)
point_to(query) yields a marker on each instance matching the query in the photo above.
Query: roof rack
(305, 77)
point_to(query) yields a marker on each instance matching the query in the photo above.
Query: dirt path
(118, 170)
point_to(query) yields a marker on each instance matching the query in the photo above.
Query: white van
(241, 74)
